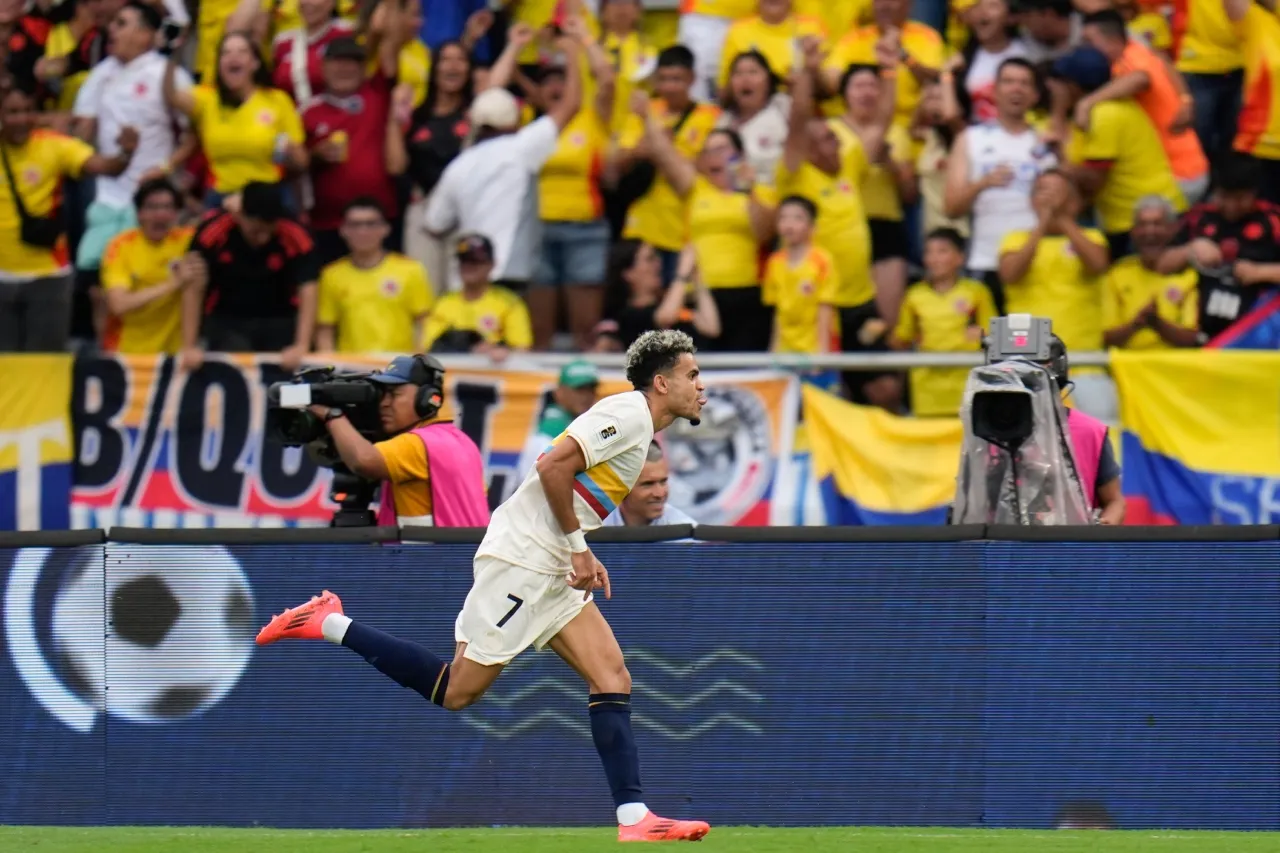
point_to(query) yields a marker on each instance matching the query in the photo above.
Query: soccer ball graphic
(176, 634)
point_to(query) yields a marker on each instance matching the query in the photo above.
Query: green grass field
(737, 839)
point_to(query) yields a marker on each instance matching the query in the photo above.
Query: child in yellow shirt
(943, 313)
(800, 282)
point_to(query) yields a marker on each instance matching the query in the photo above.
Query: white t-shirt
(130, 94)
(615, 435)
(491, 188)
(999, 210)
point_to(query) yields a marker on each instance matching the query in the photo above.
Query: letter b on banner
(98, 397)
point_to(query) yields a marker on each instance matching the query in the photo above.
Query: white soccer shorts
(509, 609)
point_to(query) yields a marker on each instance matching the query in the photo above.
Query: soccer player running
(534, 576)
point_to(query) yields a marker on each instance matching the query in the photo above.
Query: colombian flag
(35, 442)
(875, 468)
(1201, 438)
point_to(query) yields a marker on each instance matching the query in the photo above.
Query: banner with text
(159, 447)
(35, 442)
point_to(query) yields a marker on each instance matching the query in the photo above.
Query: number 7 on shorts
(512, 612)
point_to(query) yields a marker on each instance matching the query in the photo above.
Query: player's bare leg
(453, 686)
(587, 644)
(468, 680)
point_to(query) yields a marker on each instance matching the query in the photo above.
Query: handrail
(759, 361)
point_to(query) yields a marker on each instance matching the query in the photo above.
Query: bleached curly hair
(654, 352)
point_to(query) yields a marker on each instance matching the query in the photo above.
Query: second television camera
(291, 423)
(1017, 464)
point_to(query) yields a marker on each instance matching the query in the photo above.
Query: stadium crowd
(314, 176)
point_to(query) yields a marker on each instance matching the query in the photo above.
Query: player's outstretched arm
(556, 471)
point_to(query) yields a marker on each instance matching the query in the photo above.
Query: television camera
(290, 422)
(1017, 464)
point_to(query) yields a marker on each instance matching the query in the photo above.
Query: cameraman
(1091, 446)
(431, 473)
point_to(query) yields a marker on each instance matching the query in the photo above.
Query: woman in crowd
(416, 60)
(816, 166)
(633, 281)
(295, 53)
(415, 57)
(433, 134)
(933, 132)
(890, 181)
(729, 219)
(249, 130)
(632, 59)
(757, 111)
(992, 40)
(575, 233)
(425, 141)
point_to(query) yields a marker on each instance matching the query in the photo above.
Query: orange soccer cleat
(654, 828)
(302, 622)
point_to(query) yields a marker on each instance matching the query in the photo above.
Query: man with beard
(992, 170)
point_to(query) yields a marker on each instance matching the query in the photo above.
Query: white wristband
(577, 541)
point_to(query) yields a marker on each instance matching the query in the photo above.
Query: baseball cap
(398, 372)
(345, 47)
(474, 247)
(1085, 66)
(579, 373)
(496, 108)
(408, 368)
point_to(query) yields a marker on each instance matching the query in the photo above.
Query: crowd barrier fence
(950, 676)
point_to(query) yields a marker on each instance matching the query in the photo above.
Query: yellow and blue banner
(1201, 439)
(876, 468)
(35, 442)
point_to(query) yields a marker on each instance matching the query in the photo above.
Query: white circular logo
(164, 634)
(721, 468)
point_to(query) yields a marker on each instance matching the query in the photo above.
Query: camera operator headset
(1096, 463)
(431, 472)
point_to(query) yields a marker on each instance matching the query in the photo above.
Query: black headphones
(428, 374)
(1057, 364)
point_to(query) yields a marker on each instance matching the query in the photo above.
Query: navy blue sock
(611, 732)
(408, 664)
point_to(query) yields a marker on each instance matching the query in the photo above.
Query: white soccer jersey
(615, 435)
(999, 210)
